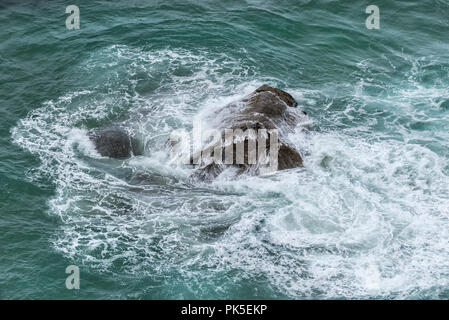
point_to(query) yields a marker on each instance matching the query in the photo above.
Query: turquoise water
(367, 216)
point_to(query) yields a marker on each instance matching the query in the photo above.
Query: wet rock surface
(114, 143)
(265, 108)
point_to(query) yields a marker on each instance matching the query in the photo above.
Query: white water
(367, 216)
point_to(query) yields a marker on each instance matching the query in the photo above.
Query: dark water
(367, 217)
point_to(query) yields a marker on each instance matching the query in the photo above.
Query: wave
(366, 217)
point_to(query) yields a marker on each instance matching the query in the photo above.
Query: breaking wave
(367, 216)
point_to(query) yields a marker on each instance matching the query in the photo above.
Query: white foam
(367, 215)
(80, 139)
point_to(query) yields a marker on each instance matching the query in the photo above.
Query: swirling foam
(366, 217)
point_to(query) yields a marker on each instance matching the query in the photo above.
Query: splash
(366, 217)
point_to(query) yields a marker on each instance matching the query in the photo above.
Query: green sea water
(367, 216)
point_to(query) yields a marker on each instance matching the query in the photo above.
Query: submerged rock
(114, 143)
(265, 108)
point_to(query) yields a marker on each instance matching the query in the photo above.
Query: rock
(288, 158)
(114, 143)
(265, 108)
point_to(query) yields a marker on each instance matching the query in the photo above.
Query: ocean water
(367, 217)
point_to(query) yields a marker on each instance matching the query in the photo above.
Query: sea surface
(367, 217)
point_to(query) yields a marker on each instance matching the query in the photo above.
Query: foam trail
(366, 217)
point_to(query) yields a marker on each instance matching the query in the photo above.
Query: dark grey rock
(114, 143)
(265, 108)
